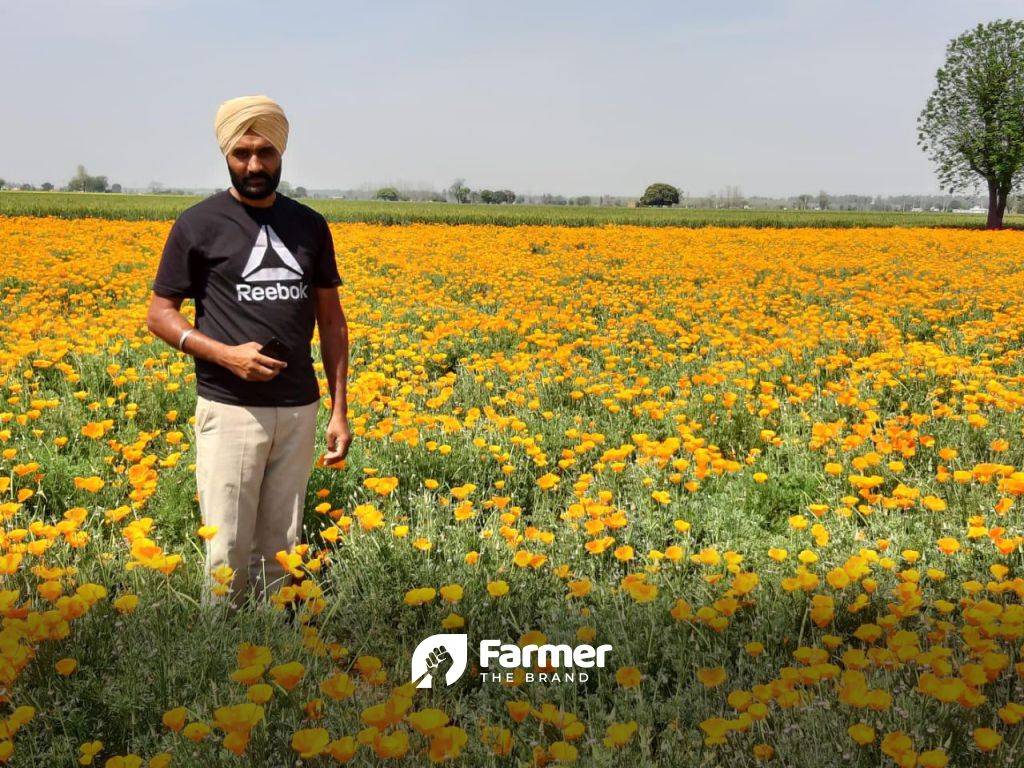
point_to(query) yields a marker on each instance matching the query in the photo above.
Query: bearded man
(261, 269)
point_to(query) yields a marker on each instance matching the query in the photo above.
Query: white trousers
(252, 468)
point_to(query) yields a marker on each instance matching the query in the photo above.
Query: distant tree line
(659, 194)
(82, 181)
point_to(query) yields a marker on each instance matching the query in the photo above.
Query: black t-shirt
(252, 273)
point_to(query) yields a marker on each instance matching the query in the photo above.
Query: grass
(71, 205)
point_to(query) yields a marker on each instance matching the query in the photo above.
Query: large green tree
(660, 195)
(83, 182)
(973, 124)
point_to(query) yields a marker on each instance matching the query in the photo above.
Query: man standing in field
(259, 266)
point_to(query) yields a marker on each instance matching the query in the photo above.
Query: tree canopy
(660, 195)
(83, 182)
(972, 126)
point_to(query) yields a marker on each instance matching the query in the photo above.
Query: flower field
(778, 471)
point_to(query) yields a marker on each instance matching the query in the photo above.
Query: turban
(257, 113)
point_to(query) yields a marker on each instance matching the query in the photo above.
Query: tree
(387, 193)
(458, 191)
(115, 188)
(83, 182)
(823, 200)
(497, 196)
(301, 192)
(46, 186)
(660, 195)
(2, 182)
(972, 125)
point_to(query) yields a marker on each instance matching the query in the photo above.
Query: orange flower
(288, 675)
(628, 677)
(310, 742)
(712, 678)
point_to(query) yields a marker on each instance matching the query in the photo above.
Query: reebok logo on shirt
(270, 261)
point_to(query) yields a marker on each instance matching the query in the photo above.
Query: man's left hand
(339, 438)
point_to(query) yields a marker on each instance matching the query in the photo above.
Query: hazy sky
(566, 97)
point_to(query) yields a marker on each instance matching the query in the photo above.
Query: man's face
(255, 166)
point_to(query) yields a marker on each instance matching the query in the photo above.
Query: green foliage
(972, 126)
(773, 503)
(499, 196)
(458, 191)
(388, 193)
(660, 195)
(83, 182)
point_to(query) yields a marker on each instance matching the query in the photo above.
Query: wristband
(184, 335)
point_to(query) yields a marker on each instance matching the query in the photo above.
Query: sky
(572, 98)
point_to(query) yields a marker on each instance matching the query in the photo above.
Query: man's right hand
(246, 362)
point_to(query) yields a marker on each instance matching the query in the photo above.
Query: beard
(255, 186)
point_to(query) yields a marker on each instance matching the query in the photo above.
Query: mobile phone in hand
(276, 349)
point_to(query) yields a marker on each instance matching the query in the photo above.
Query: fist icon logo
(441, 658)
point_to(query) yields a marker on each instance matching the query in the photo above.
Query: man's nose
(255, 166)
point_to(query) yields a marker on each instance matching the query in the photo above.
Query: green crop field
(158, 207)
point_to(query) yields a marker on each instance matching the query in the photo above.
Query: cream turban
(258, 113)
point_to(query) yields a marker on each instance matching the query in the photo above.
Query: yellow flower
(420, 596)
(563, 752)
(392, 745)
(381, 485)
(238, 717)
(288, 675)
(619, 734)
(462, 492)
(426, 721)
(497, 588)
(451, 593)
(447, 743)
(196, 732)
(88, 751)
(547, 481)
(369, 517)
(310, 742)
(948, 545)
(343, 749)
(933, 758)
(338, 687)
(987, 739)
(126, 603)
(712, 678)
(628, 677)
(174, 719)
(259, 693)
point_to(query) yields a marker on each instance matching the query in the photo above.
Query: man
(260, 266)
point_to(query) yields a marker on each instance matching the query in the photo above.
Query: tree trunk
(996, 206)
